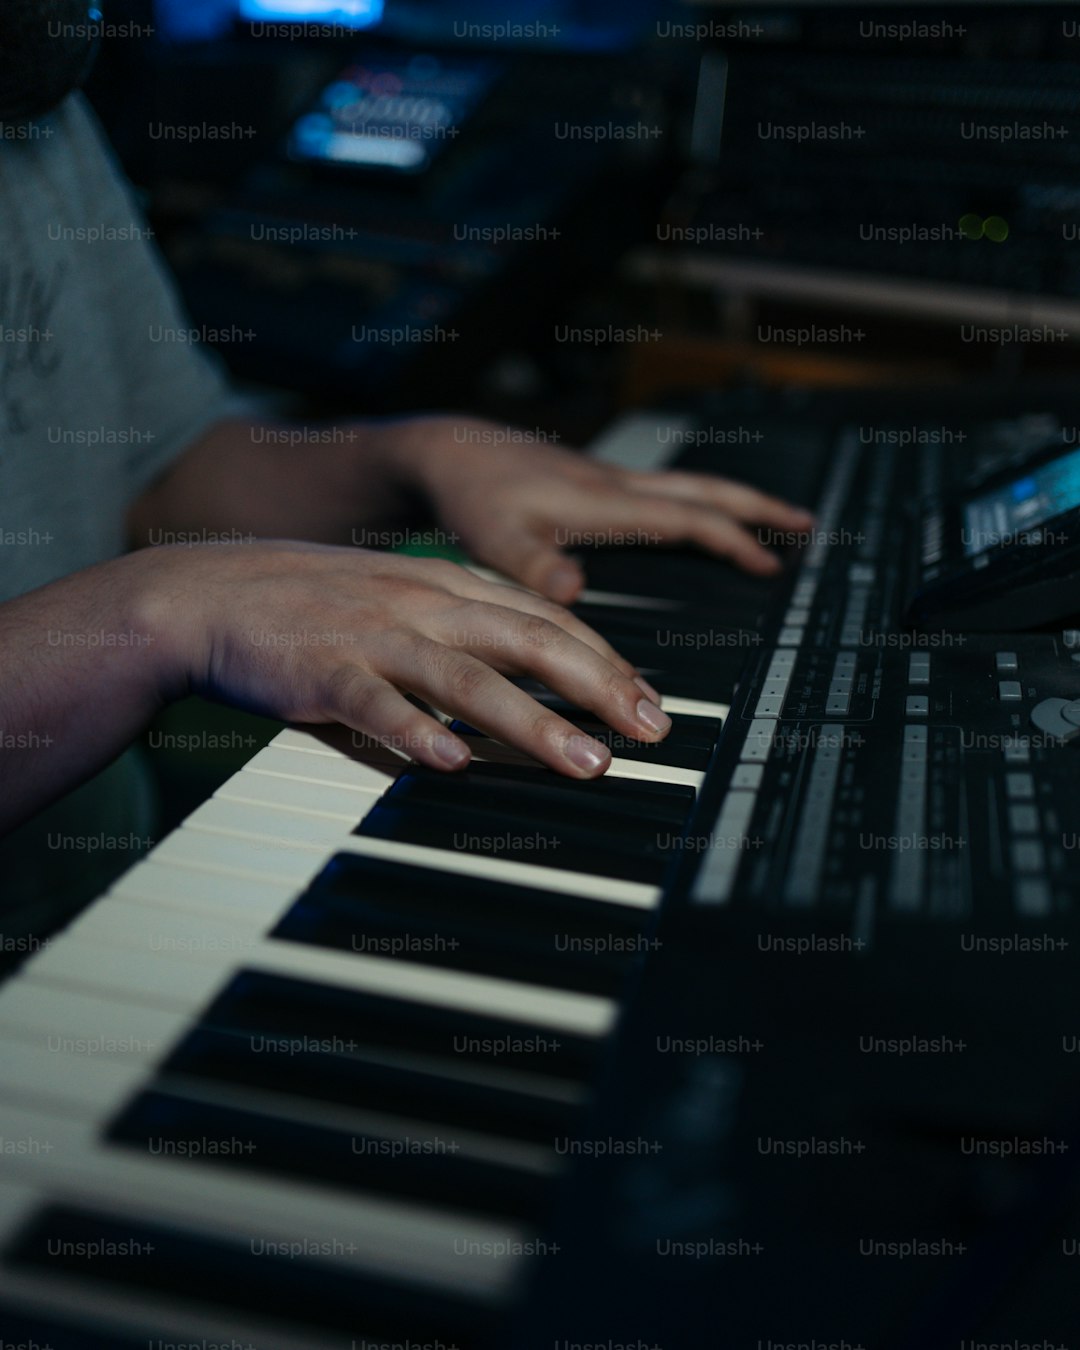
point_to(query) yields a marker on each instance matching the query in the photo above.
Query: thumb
(536, 563)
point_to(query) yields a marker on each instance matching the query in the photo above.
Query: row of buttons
(838, 703)
(933, 538)
(777, 681)
(721, 864)
(906, 882)
(861, 576)
(1009, 691)
(808, 855)
(1031, 890)
(918, 705)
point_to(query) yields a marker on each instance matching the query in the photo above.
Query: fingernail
(450, 751)
(646, 688)
(585, 753)
(651, 716)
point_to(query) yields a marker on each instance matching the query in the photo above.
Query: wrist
(156, 598)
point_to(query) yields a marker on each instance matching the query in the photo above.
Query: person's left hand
(519, 508)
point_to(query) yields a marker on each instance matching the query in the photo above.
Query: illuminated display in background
(345, 14)
(1020, 507)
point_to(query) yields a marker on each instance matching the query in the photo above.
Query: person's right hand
(310, 633)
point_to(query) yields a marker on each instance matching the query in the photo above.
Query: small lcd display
(1015, 512)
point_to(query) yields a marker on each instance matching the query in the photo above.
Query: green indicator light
(971, 226)
(996, 229)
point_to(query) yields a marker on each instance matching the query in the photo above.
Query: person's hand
(519, 508)
(311, 633)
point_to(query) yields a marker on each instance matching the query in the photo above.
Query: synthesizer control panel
(894, 780)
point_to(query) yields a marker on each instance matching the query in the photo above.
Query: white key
(260, 821)
(641, 440)
(693, 707)
(335, 770)
(611, 890)
(64, 1022)
(378, 1235)
(252, 858)
(213, 893)
(297, 794)
(243, 856)
(101, 946)
(487, 751)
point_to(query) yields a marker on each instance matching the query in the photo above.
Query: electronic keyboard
(367, 1055)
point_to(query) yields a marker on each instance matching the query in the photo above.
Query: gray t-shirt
(100, 384)
(101, 388)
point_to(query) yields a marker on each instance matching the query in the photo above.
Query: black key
(676, 574)
(299, 1290)
(284, 1017)
(355, 1080)
(465, 923)
(632, 856)
(548, 799)
(676, 639)
(688, 745)
(432, 1168)
(571, 711)
(37, 1331)
(607, 827)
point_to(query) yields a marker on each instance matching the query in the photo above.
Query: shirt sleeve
(171, 383)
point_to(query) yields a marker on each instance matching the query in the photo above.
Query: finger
(679, 522)
(462, 686)
(517, 644)
(733, 498)
(492, 593)
(531, 557)
(370, 705)
(461, 582)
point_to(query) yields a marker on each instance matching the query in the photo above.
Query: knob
(1058, 718)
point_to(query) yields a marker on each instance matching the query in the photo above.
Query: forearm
(79, 679)
(328, 484)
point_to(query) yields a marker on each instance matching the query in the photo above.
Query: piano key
(224, 815)
(673, 705)
(39, 1329)
(642, 440)
(438, 1168)
(407, 1067)
(115, 931)
(65, 1081)
(248, 856)
(204, 892)
(338, 770)
(545, 798)
(149, 1259)
(687, 746)
(296, 794)
(57, 1020)
(642, 770)
(286, 1016)
(401, 1241)
(247, 861)
(435, 918)
(513, 1106)
(674, 574)
(513, 838)
(256, 856)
